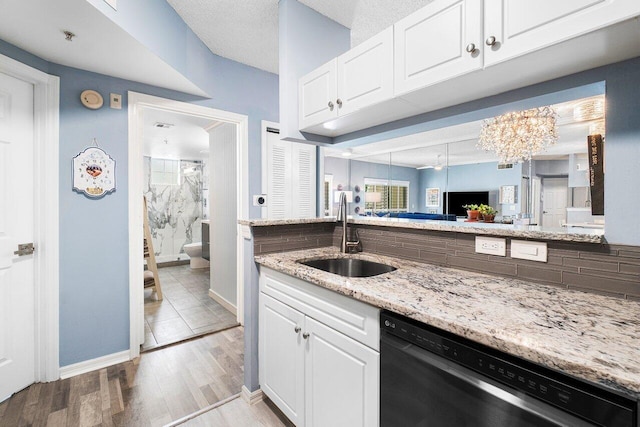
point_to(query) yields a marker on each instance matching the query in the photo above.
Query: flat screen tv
(457, 199)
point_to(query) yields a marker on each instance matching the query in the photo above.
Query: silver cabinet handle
(297, 329)
(491, 41)
(471, 48)
(330, 104)
(305, 335)
(339, 102)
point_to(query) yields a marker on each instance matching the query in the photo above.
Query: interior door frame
(46, 97)
(138, 102)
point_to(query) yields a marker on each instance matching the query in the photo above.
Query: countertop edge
(444, 226)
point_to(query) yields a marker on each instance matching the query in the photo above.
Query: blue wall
(94, 252)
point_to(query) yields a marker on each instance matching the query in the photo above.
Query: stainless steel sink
(349, 267)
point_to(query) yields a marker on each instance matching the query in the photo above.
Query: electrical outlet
(491, 246)
(533, 251)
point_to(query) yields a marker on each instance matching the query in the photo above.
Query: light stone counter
(581, 235)
(589, 336)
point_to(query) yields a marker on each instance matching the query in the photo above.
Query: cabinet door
(342, 380)
(430, 44)
(523, 26)
(317, 94)
(279, 169)
(365, 73)
(281, 362)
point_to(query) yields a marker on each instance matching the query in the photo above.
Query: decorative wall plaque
(94, 172)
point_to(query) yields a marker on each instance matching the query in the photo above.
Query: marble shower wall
(175, 210)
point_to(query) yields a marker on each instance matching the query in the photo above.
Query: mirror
(431, 175)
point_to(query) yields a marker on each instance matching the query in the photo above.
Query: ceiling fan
(438, 166)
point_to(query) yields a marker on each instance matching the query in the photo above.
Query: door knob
(24, 249)
(491, 41)
(471, 48)
(297, 329)
(305, 335)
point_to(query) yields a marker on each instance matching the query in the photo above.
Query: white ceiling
(187, 139)
(423, 149)
(99, 46)
(247, 30)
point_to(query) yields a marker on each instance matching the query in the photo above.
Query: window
(165, 172)
(395, 197)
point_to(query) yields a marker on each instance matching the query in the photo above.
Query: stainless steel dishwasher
(429, 377)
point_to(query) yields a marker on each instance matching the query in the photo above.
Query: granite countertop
(589, 336)
(580, 235)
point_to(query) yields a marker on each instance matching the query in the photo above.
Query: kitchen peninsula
(577, 313)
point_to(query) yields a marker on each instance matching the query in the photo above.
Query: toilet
(194, 250)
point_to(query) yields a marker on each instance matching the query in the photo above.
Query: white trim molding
(137, 104)
(93, 364)
(223, 301)
(252, 397)
(46, 213)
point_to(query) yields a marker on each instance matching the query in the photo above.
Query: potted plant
(472, 212)
(488, 213)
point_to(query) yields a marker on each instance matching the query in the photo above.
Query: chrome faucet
(346, 246)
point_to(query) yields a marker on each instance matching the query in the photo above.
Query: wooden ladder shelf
(151, 278)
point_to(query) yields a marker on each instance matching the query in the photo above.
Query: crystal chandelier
(519, 135)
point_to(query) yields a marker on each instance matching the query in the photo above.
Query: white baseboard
(223, 302)
(252, 397)
(93, 364)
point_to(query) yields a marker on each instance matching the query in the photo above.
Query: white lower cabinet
(317, 375)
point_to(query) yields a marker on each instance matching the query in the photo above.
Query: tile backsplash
(612, 270)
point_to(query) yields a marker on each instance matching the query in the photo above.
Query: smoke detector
(162, 125)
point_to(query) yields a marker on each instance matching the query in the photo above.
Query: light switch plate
(491, 246)
(115, 101)
(533, 251)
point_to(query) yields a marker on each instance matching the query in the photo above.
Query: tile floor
(186, 311)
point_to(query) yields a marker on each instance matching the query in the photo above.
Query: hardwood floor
(155, 389)
(186, 310)
(239, 413)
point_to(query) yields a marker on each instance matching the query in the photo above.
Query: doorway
(554, 201)
(141, 106)
(29, 105)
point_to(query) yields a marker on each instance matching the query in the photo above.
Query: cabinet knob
(491, 41)
(297, 329)
(339, 102)
(330, 104)
(471, 48)
(305, 335)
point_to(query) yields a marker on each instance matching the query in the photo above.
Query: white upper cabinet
(317, 94)
(440, 41)
(361, 77)
(515, 27)
(365, 73)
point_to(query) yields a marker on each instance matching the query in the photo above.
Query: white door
(281, 359)
(317, 95)
(17, 301)
(291, 178)
(342, 379)
(430, 44)
(554, 201)
(365, 73)
(520, 26)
